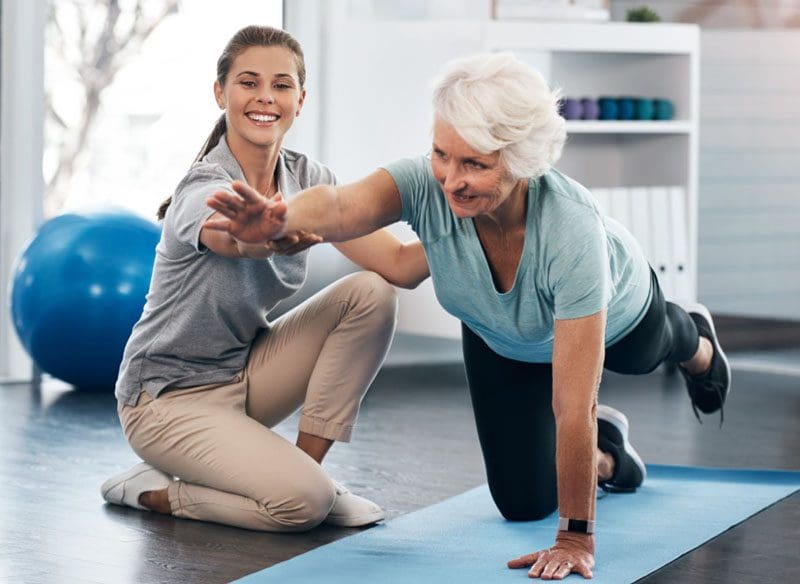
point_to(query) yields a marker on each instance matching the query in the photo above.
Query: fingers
(217, 225)
(554, 564)
(294, 243)
(556, 570)
(278, 208)
(524, 561)
(247, 192)
(229, 208)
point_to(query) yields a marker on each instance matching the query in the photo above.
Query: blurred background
(106, 102)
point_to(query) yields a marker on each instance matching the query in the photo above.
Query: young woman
(205, 375)
(549, 292)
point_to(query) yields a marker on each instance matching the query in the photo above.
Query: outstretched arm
(334, 213)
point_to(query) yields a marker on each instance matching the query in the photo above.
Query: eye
(283, 86)
(249, 83)
(439, 154)
(475, 164)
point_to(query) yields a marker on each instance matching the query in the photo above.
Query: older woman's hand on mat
(571, 553)
(251, 217)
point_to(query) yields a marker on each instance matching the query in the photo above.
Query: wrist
(583, 540)
(576, 525)
(253, 250)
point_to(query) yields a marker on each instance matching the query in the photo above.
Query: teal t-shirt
(574, 262)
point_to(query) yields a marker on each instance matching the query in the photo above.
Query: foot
(708, 390)
(612, 437)
(350, 510)
(126, 488)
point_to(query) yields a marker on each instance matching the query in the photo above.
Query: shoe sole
(115, 481)
(701, 309)
(620, 422)
(359, 521)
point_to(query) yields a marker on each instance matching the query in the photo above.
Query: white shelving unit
(641, 157)
(375, 106)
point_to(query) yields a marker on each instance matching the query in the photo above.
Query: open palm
(250, 217)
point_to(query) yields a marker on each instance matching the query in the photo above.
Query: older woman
(549, 292)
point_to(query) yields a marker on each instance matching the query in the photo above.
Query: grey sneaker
(612, 437)
(350, 510)
(708, 391)
(125, 488)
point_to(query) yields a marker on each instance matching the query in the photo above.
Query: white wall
(749, 243)
(749, 221)
(21, 185)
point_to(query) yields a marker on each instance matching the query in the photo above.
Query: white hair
(498, 103)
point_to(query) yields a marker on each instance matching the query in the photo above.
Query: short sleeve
(412, 177)
(188, 210)
(579, 273)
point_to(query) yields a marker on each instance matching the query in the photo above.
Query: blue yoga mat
(464, 539)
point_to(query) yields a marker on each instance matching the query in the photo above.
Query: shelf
(628, 127)
(615, 37)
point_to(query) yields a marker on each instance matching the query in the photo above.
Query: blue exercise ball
(78, 288)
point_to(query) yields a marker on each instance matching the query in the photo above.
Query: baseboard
(744, 333)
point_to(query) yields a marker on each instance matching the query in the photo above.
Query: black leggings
(512, 401)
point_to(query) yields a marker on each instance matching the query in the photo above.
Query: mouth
(262, 119)
(463, 197)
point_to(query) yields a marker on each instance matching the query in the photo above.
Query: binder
(681, 268)
(640, 220)
(661, 227)
(618, 205)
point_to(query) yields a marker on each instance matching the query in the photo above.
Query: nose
(266, 97)
(453, 180)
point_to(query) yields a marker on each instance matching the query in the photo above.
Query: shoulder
(561, 195)
(201, 173)
(417, 166)
(306, 170)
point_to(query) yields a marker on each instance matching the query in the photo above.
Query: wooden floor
(415, 445)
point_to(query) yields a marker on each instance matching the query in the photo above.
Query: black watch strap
(576, 525)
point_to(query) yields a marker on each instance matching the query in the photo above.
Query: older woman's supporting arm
(578, 354)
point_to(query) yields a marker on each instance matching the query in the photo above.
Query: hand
(251, 217)
(571, 553)
(294, 243)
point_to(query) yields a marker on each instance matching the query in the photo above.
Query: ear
(219, 96)
(300, 102)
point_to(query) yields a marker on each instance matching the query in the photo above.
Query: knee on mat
(305, 509)
(529, 509)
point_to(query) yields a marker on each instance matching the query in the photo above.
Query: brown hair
(250, 36)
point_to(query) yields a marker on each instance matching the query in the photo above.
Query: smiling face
(262, 96)
(473, 183)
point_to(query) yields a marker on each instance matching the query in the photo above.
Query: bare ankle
(156, 501)
(605, 466)
(701, 361)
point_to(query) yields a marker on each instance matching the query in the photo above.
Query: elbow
(403, 283)
(569, 412)
(410, 283)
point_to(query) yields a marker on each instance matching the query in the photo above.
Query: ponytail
(210, 143)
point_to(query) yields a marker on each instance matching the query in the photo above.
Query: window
(155, 113)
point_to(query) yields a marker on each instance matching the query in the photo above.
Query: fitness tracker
(576, 525)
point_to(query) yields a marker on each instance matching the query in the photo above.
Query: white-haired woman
(549, 292)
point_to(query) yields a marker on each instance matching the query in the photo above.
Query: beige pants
(233, 468)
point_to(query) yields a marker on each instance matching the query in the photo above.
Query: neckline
(486, 270)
